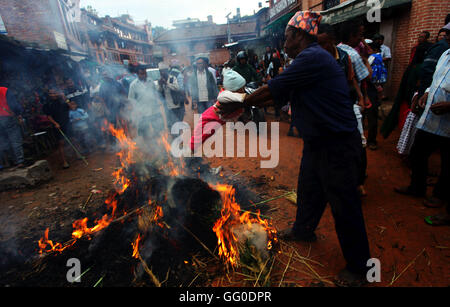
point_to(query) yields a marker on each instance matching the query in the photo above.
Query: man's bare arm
(260, 98)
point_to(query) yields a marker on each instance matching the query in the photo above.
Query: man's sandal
(346, 279)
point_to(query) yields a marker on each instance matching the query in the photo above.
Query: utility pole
(228, 28)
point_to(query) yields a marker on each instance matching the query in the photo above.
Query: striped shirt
(385, 52)
(360, 69)
(439, 91)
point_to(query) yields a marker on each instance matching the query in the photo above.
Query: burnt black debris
(190, 208)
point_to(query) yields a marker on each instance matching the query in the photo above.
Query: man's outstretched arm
(260, 98)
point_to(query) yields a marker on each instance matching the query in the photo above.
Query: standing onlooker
(385, 51)
(180, 95)
(176, 71)
(422, 43)
(274, 66)
(431, 59)
(272, 72)
(169, 89)
(433, 133)
(441, 35)
(80, 128)
(75, 93)
(408, 87)
(374, 92)
(352, 36)
(113, 93)
(267, 57)
(327, 40)
(97, 111)
(10, 131)
(243, 68)
(213, 72)
(146, 107)
(203, 87)
(57, 111)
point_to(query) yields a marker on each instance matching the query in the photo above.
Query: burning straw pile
(161, 226)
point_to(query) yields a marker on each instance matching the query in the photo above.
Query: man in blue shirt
(319, 94)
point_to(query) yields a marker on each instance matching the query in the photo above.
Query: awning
(280, 22)
(230, 44)
(244, 41)
(251, 39)
(355, 8)
(77, 58)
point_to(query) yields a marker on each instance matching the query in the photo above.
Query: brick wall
(31, 21)
(219, 56)
(315, 4)
(401, 49)
(425, 15)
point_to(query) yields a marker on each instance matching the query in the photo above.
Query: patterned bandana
(308, 21)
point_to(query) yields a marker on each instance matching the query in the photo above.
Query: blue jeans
(11, 138)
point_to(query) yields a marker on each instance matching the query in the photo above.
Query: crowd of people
(334, 83)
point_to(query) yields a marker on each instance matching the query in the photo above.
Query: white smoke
(255, 236)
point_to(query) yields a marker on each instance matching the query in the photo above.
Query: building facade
(116, 40)
(62, 25)
(47, 24)
(192, 37)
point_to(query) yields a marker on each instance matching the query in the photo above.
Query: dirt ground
(411, 252)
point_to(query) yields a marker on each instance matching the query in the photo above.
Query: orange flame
(135, 246)
(54, 247)
(173, 169)
(126, 158)
(158, 215)
(80, 229)
(231, 215)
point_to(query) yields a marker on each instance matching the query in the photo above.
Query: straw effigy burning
(161, 217)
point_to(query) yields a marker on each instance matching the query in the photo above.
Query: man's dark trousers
(11, 138)
(329, 174)
(372, 115)
(424, 145)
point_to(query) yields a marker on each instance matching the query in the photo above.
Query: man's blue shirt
(317, 88)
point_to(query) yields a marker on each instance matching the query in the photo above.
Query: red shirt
(4, 107)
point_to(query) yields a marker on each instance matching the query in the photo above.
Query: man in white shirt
(202, 86)
(146, 107)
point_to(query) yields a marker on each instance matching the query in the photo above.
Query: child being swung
(234, 85)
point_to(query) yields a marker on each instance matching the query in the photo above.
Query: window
(328, 4)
